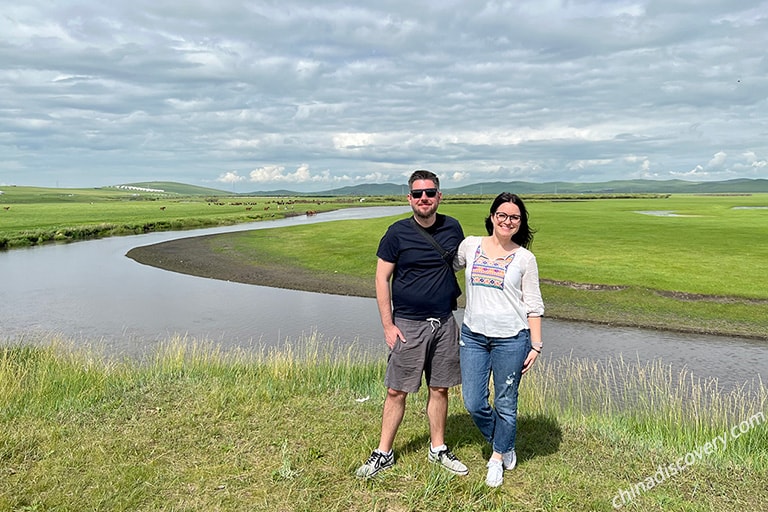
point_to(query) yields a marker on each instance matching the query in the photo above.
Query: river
(90, 293)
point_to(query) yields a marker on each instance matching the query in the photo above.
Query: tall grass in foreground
(193, 427)
(656, 405)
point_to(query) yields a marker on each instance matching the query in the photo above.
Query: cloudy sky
(318, 94)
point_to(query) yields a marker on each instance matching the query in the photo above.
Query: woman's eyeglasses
(416, 193)
(503, 217)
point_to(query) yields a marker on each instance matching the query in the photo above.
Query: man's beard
(425, 214)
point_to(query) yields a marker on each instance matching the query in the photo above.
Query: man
(416, 292)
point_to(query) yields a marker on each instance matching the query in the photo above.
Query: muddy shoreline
(196, 256)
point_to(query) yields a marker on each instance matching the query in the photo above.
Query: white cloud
(717, 161)
(583, 164)
(230, 177)
(458, 177)
(352, 141)
(721, 165)
(278, 174)
(272, 173)
(752, 160)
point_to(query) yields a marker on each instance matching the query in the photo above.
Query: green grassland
(194, 428)
(703, 270)
(33, 216)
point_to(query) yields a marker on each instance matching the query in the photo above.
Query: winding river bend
(91, 294)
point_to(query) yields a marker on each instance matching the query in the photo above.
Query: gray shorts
(432, 349)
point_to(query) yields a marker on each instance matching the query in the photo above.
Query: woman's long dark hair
(524, 235)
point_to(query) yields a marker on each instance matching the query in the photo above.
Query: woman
(501, 333)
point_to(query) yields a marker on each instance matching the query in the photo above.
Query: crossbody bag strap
(443, 253)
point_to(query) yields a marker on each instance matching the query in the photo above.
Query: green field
(195, 429)
(699, 267)
(32, 216)
(703, 270)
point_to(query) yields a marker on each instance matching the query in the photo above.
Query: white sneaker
(495, 473)
(509, 459)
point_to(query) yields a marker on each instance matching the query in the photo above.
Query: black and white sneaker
(378, 461)
(448, 460)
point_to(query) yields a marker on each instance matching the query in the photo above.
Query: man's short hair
(422, 174)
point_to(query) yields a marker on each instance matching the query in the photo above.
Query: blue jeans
(482, 356)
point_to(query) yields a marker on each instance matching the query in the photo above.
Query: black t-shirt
(423, 284)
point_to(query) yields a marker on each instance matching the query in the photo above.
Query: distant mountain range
(620, 187)
(519, 187)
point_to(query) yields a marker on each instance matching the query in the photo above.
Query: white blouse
(501, 293)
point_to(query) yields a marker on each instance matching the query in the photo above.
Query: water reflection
(658, 213)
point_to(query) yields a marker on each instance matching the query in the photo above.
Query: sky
(321, 94)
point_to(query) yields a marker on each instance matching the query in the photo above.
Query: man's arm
(384, 271)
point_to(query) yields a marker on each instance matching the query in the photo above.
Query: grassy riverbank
(34, 216)
(699, 270)
(198, 429)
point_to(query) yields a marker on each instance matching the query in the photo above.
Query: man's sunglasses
(416, 193)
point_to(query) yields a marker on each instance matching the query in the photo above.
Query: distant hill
(624, 186)
(170, 187)
(284, 193)
(370, 189)
(519, 187)
(555, 187)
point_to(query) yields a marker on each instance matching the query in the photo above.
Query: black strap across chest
(447, 258)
